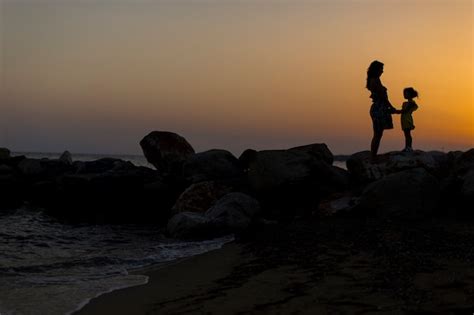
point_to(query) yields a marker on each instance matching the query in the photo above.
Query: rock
(128, 195)
(6, 169)
(336, 203)
(461, 182)
(211, 165)
(66, 158)
(102, 165)
(31, 167)
(190, 225)
(234, 212)
(464, 161)
(409, 194)
(43, 168)
(318, 150)
(292, 182)
(12, 188)
(467, 188)
(200, 197)
(272, 169)
(4, 153)
(166, 151)
(13, 161)
(363, 170)
(246, 158)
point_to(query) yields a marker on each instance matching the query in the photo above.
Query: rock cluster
(196, 195)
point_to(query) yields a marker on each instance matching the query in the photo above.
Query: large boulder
(364, 170)
(318, 150)
(200, 197)
(166, 151)
(409, 194)
(290, 182)
(271, 169)
(234, 212)
(211, 165)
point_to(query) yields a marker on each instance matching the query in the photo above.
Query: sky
(97, 76)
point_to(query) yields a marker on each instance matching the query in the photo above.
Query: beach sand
(335, 266)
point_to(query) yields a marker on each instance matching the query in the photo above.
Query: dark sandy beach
(339, 265)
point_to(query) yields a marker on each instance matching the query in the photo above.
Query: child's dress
(406, 118)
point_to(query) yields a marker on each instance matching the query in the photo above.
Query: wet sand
(340, 265)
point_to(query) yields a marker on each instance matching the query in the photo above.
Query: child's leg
(408, 139)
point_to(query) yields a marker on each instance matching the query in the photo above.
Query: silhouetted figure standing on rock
(381, 109)
(406, 120)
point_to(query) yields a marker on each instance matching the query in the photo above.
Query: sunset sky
(97, 76)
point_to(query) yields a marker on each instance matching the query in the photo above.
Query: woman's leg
(408, 138)
(374, 146)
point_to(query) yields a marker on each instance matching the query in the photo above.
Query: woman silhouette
(381, 109)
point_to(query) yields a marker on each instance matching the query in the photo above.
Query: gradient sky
(97, 76)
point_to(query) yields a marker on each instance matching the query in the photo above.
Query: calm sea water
(47, 267)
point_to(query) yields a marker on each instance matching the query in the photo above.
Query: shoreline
(139, 299)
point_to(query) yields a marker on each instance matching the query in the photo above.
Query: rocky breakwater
(226, 194)
(102, 191)
(210, 193)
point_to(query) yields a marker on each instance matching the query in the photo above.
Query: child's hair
(410, 92)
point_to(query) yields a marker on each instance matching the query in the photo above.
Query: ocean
(49, 267)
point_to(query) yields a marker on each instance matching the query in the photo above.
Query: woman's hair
(410, 92)
(373, 71)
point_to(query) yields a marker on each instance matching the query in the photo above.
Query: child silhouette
(406, 118)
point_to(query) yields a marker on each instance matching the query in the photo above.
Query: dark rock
(36, 169)
(290, 182)
(12, 188)
(272, 169)
(318, 150)
(66, 157)
(6, 169)
(336, 203)
(364, 170)
(4, 153)
(31, 167)
(200, 197)
(464, 161)
(246, 158)
(135, 195)
(467, 188)
(190, 225)
(102, 165)
(409, 194)
(166, 151)
(211, 165)
(12, 161)
(234, 212)
(459, 186)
